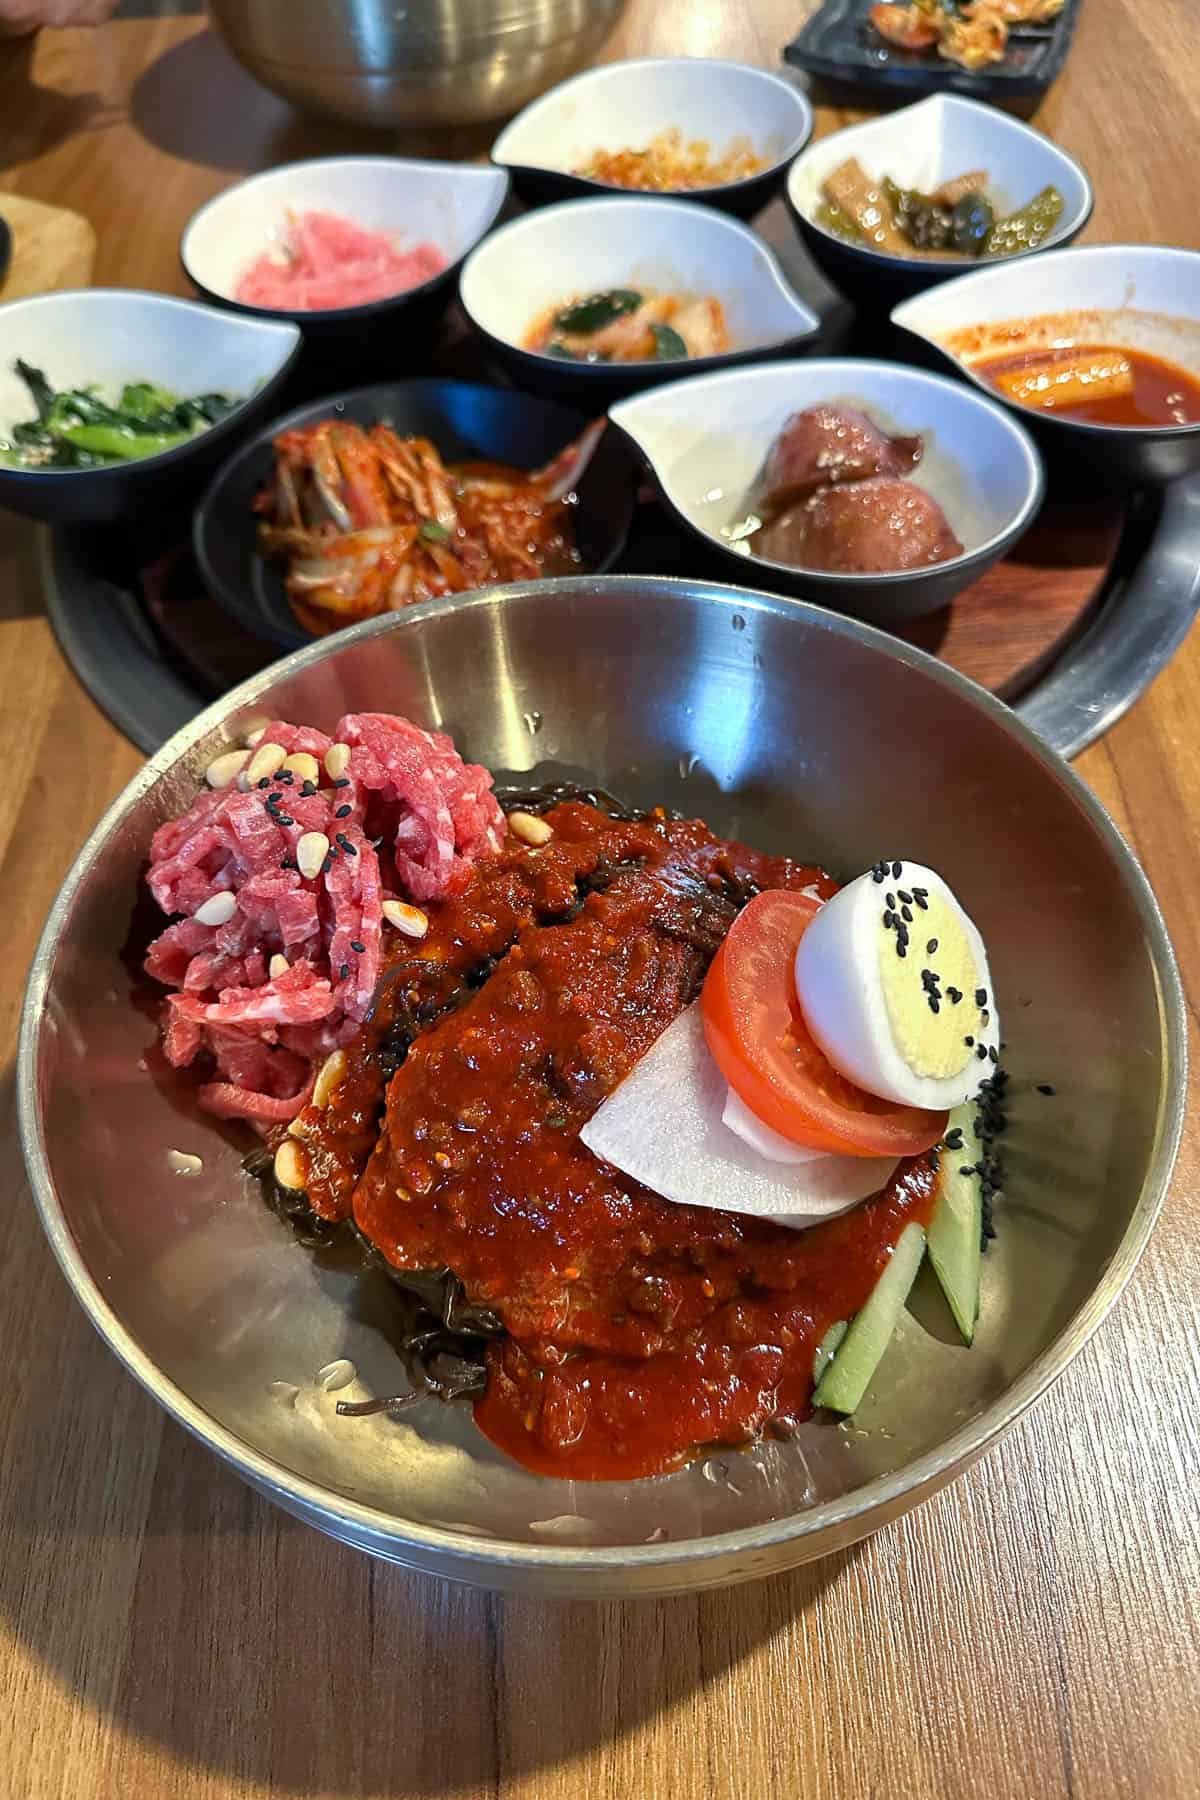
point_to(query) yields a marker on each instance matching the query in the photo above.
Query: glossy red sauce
(638, 1330)
(1163, 393)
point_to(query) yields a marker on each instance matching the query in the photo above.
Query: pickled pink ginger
(330, 262)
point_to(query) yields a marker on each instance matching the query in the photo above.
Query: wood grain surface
(165, 1633)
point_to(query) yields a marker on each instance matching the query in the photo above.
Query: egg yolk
(930, 991)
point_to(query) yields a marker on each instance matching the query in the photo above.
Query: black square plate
(839, 44)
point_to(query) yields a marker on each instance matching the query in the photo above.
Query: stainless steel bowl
(430, 62)
(777, 722)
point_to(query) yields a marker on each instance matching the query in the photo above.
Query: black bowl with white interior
(1135, 297)
(108, 337)
(449, 205)
(706, 442)
(551, 258)
(626, 105)
(921, 147)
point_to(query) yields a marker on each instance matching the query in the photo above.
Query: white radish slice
(737, 1117)
(663, 1127)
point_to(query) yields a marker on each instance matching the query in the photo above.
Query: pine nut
(408, 919)
(289, 1166)
(218, 909)
(332, 1070)
(303, 766)
(311, 851)
(278, 965)
(337, 760)
(267, 760)
(529, 828)
(226, 768)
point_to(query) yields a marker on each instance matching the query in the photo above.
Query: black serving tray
(838, 44)
(152, 649)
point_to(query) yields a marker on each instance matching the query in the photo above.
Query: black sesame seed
(953, 1139)
(981, 1052)
(890, 899)
(347, 846)
(878, 874)
(900, 950)
(907, 898)
(274, 799)
(969, 1042)
(343, 812)
(358, 949)
(896, 868)
(264, 783)
(931, 946)
(920, 900)
(934, 1004)
(344, 971)
(954, 995)
(921, 893)
(1045, 1088)
(935, 1161)
(285, 775)
(994, 1053)
(985, 1017)
(284, 819)
(307, 791)
(981, 996)
(289, 863)
(906, 914)
(890, 921)
(327, 864)
(342, 781)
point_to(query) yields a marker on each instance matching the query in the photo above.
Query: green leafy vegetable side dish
(597, 311)
(75, 429)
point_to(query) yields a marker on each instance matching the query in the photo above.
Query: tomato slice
(756, 1032)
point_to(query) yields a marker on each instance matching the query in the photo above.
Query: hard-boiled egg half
(892, 978)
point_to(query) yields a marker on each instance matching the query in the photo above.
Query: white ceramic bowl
(624, 105)
(922, 146)
(1136, 296)
(451, 205)
(109, 336)
(589, 246)
(706, 441)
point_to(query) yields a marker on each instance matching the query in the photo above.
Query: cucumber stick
(956, 1229)
(848, 1375)
(828, 1347)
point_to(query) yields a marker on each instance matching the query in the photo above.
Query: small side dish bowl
(624, 105)
(1122, 296)
(466, 422)
(921, 147)
(106, 337)
(450, 205)
(781, 725)
(582, 247)
(707, 440)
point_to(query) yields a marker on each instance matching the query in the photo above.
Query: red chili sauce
(638, 1330)
(1162, 393)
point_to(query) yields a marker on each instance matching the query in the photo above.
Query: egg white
(840, 990)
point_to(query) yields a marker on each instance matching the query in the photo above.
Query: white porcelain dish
(1135, 296)
(589, 246)
(105, 337)
(920, 147)
(622, 106)
(451, 205)
(706, 441)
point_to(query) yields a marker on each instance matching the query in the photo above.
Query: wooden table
(166, 1635)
